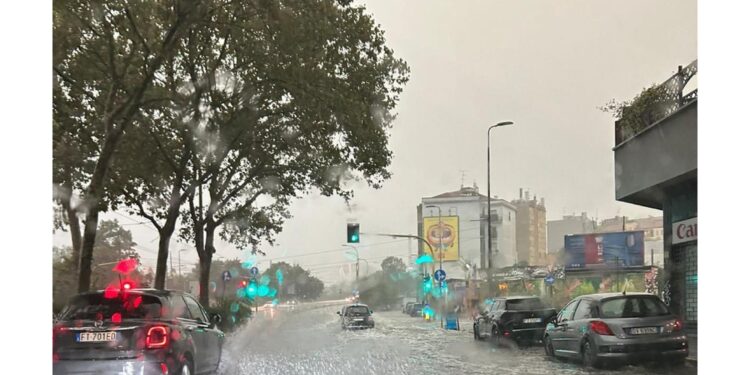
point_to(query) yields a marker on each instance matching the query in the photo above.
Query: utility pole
(441, 254)
(652, 257)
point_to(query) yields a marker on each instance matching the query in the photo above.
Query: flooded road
(309, 340)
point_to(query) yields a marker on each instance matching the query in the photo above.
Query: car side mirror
(370, 311)
(215, 319)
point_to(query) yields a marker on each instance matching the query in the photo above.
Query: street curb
(692, 360)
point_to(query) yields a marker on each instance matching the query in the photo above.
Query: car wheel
(187, 367)
(588, 356)
(548, 349)
(496, 339)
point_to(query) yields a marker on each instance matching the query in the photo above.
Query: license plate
(644, 331)
(96, 336)
(532, 320)
(358, 320)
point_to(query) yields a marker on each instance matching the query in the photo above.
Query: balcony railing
(656, 103)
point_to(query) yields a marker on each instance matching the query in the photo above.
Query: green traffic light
(352, 233)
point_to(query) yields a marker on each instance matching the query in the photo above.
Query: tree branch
(141, 210)
(247, 204)
(135, 30)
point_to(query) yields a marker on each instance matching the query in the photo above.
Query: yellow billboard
(444, 241)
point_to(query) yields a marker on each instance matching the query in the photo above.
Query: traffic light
(251, 291)
(427, 284)
(352, 233)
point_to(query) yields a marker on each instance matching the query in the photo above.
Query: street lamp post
(489, 205)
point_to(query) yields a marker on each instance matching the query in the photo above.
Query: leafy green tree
(304, 103)
(393, 266)
(293, 277)
(105, 58)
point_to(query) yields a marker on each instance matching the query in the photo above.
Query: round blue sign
(440, 275)
(549, 279)
(254, 271)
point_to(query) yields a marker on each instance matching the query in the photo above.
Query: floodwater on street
(309, 340)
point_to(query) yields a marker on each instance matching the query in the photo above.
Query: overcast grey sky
(546, 65)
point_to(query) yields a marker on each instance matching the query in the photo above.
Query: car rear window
(524, 304)
(633, 307)
(95, 306)
(357, 310)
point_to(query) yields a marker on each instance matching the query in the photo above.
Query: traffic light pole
(429, 246)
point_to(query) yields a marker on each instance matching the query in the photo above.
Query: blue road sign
(254, 271)
(226, 276)
(549, 279)
(440, 275)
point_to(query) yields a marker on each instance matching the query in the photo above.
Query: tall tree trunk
(116, 122)
(206, 262)
(205, 273)
(87, 249)
(173, 213)
(165, 236)
(75, 234)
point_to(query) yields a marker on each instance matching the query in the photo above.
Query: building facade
(569, 224)
(531, 230)
(470, 209)
(656, 163)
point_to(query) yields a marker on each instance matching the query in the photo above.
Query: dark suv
(521, 319)
(143, 331)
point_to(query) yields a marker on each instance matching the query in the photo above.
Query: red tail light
(164, 368)
(674, 326)
(601, 328)
(157, 337)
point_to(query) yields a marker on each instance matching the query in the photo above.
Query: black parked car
(521, 319)
(416, 309)
(356, 316)
(143, 331)
(407, 307)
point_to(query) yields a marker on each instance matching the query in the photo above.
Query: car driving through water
(143, 331)
(356, 316)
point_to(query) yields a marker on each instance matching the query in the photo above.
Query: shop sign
(685, 231)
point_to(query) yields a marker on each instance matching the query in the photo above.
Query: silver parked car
(616, 327)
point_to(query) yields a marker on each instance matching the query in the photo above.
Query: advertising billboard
(444, 240)
(604, 250)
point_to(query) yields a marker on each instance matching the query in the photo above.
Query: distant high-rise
(569, 224)
(531, 230)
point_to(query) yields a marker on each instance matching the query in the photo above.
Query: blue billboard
(596, 250)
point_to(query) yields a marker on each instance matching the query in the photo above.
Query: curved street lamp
(489, 205)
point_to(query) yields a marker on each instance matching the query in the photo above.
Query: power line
(328, 251)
